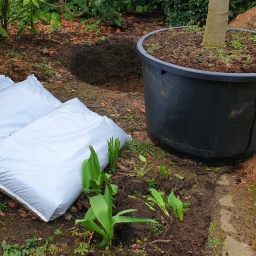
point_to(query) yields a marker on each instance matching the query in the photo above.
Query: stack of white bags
(43, 144)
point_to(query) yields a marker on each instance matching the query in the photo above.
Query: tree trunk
(216, 23)
(5, 14)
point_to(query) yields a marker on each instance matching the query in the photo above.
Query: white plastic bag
(40, 165)
(23, 103)
(5, 82)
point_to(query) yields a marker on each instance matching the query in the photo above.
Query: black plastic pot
(209, 116)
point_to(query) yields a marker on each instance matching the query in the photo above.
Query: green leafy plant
(44, 67)
(143, 5)
(104, 11)
(151, 183)
(3, 206)
(164, 171)
(100, 219)
(113, 152)
(215, 169)
(191, 12)
(3, 32)
(12, 54)
(25, 13)
(57, 232)
(214, 243)
(53, 19)
(93, 178)
(159, 200)
(153, 47)
(172, 200)
(16, 249)
(82, 249)
(93, 28)
(253, 38)
(176, 205)
(141, 171)
(186, 206)
(30, 247)
(141, 147)
(179, 176)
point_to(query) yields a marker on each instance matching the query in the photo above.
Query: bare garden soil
(100, 66)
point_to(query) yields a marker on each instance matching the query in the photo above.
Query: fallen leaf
(49, 52)
(135, 246)
(13, 204)
(103, 104)
(68, 216)
(82, 202)
(2, 214)
(26, 214)
(124, 165)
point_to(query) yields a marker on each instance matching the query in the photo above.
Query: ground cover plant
(121, 98)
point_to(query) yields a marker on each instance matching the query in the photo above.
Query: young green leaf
(113, 152)
(92, 177)
(94, 164)
(127, 219)
(142, 158)
(176, 205)
(85, 174)
(101, 210)
(164, 171)
(159, 199)
(179, 176)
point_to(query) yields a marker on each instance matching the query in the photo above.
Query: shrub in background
(194, 12)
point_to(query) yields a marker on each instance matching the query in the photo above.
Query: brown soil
(60, 61)
(245, 20)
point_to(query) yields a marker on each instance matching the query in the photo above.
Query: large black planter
(206, 115)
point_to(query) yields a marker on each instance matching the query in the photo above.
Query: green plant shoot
(141, 171)
(100, 219)
(176, 205)
(164, 171)
(92, 177)
(173, 201)
(113, 152)
(159, 200)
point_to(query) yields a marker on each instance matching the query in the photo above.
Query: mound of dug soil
(245, 20)
(113, 60)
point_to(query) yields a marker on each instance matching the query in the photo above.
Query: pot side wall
(206, 119)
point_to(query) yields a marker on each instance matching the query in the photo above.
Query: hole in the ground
(113, 64)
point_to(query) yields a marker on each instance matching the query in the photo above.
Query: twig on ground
(160, 241)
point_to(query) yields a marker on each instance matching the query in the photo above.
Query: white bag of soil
(23, 103)
(5, 82)
(40, 165)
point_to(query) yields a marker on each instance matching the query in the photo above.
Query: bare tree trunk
(216, 23)
(5, 13)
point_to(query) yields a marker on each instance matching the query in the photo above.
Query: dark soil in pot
(183, 47)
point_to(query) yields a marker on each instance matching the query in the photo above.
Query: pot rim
(190, 72)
